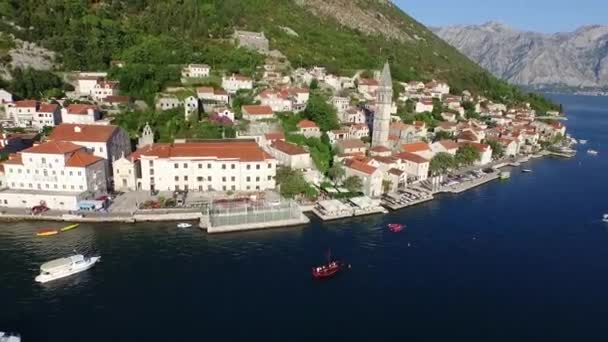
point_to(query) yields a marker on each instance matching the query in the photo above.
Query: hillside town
(336, 145)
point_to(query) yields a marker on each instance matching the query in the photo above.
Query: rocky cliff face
(574, 59)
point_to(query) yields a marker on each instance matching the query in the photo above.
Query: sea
(518, 260)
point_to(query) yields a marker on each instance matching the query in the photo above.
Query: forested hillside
(154, 36)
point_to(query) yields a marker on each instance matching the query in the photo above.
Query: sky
(546, 16)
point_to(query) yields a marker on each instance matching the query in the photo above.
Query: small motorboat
(605, 218)
(70, 227)
(47, 232)
(526, 171)
(395, 227)
(330, 269)
(592, 152)
(184, 225)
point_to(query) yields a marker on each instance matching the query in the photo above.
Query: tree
(441, 163)
(386, 185)
(35, 84)
(443, 135)
(353, 184)
(498, 151)
(314, 84)
(336, 172)
(321, 112)
(466, 155)
(292, 183)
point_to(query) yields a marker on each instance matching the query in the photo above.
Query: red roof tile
(291, 149)
(380, 149)
(80, 109)
(257, 110)
(351, 143)
(359, 166)
(415, 147)
(243, 150)
(90, 133)
(117, 99)
(81, 158)
(54, 147)
(26, 104)
(274, 136)
(412, 157)
(307, 124)
(449, 144)
(48, 107)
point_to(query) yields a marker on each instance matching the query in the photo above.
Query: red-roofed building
(104, 89)
(55, 173)
(370, 176)
(416, 167)
(234, 83)
(380, 151)
(351, 146)
(337, 135)
(212, 94)
(256, 112)
(290, 155)
(367, 86)
(80, 114)
(446, 146)
(420, 148)
(485, 152)
(424, 105)
(309, 129)
(468, 136)
(213, 165)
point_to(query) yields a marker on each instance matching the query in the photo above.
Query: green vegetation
(497, 150)
(441, 163)
(171, 124)
(320, 150)
(443, 135)
(336, 172)
(386, 185)
(292, 184)
(354, 184)
(321, 112)
(466, 155)
(36, 84)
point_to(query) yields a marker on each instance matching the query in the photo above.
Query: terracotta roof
(26, 104)
(449, 144)
(419, 124)
(13, 159)
(48, 107)
(479, 147)
(350, 143)
(398, 125)
(274, 136)
(205, 90)
(257, 110)
(54, 147)
(368, 82)
(81, 158)
(90, 133)
(380, 149)
(117, 99)
(468, 135)
(359, 166)
(412, 157)
(243, 150)
(447, 125)
(80, 109)
(386, 160)
(307, 124)
(415, 147)
(395, 172)
(108, 84)
(291, 149)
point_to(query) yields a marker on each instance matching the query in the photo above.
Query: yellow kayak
(70, 227)
(47, 232)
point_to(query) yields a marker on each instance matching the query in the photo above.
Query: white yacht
(6, 337)
(592, 152)
(605, 219)
(59, 268)
(184, 225)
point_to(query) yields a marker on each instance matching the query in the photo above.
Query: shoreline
(203, 219)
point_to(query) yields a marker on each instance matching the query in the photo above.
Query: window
(54, 172)
(151, 163)
(19, 171)
(257, 187)
(176, 178)
(269, 177)
(233, 188)
(200, 166)
(257, 179)
(186, 178)
(209, 178)
(248, 187)
(72, 187)
(30, 185)
(223, 179)
(62, 173)
(46, 186)
(176, 165)
(43, 160)
(151, 180)
(233, 178)
(199, 179)
(223, 166)
(55, 186)
(257, 167)
(71, 173)
(185, 166)
(223, 188)
(233, 166)
(151, 172)
(208, 166)
(248, 167)
(79, 173)
(63, 186)
(270, 166)
(101, 149)
(248, 179)
(200, 188)
(177, 188)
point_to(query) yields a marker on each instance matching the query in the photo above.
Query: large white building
(371, 176)
(80, 114)
(416, 167)
(290, 155)
(196, 71)
(222, 165)
(234, 83)
(57, 174)
(31, 113)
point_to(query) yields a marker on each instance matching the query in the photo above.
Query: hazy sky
(532, 15)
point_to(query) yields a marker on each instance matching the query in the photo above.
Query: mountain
(573, 59)
(153, 36)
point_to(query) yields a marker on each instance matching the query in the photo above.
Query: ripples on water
(517, 260)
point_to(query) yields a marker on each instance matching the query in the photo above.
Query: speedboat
(70, 227)
(47, 232)
(526, 171)
(6, 337)
(592, 152)
(395, 227)
(605, 219)
(64, 267)
(184, 225)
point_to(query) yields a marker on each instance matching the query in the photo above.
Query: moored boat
(70, 227)
(504, 175)
(6, 337)
(64, 267)
(396, 227)
(47, 232)
(330, 269)
(605, 219)
(593, 152)
(582, 142)
(184, 225)
(526, 171)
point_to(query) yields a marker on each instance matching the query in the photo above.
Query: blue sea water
(521, 260)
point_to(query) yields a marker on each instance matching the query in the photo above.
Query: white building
(103, 89)
(108, 142)
(424, 106)
(5, 96)
(371, 176)
(212, 94)
(85, 84)
(255, 112)
(234, 83)
(416, 167)
(279, 101)
(485, 153)
(290, 155)
(341, 103)
(446, 146)
(47, 115)
(196, 71)
(80, 114)
(22, 112)
(226, 165)
(309, 129)
(420, 148)
(166, 102)
(353, 115)
(57, 174)
(191, 107)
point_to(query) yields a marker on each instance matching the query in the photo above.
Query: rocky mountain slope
(573, 59)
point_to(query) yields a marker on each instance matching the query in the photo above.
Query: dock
(396, 206)
(330, 210)
(464, 186)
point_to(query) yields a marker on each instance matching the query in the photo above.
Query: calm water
(523, 260)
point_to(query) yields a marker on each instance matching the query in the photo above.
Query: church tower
(384, 101)
(147, 137)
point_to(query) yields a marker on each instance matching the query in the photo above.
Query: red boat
(396, 227)
(328, 270)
